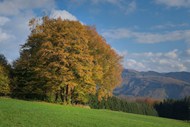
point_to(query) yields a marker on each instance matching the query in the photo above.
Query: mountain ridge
(153, 84)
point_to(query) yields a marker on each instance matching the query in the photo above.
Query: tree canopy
(66, 61)
(4, 63)
(4, 81)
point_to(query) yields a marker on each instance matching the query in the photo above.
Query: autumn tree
(65, 60)
(107, 70)
(4, 76)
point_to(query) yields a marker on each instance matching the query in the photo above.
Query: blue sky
(149, 34)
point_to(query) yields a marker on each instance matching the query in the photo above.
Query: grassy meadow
(19, 113)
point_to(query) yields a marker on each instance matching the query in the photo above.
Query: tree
(107, 64)
(170, 108)
(3, 60)
(5, 69)
(4, 82)
(59, 62)
(4, 63)
(117, 104)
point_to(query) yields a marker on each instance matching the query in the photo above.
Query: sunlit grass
(18, 113)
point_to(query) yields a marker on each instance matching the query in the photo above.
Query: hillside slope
(17, 113)
(155, 85)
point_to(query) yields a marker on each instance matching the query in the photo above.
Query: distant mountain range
(153, 84)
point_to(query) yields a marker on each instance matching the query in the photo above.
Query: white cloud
(121, 53)
(16, 31)
(172, 54)
(63, 14)
(174, 3)
(133, 64)
(188, 51)
(14, 17)
(145, 37)
(14, 7)
(3, 20)
(170, 61)
(4, 36)
(170, 26)
(131, 7)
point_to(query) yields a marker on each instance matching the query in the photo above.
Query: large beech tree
(65, 60)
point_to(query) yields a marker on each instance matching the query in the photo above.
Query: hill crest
(153, 84)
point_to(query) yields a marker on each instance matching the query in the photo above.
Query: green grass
(18, 113)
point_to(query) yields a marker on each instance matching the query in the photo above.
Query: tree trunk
(72, 95)
(66, 93)
(62, 94)
(56, 96)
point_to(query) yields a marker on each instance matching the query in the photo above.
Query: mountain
(152, 84)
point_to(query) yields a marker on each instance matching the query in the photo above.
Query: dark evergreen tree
(175, 109)
(116, 104)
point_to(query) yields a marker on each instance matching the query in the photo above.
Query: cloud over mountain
(174, 60)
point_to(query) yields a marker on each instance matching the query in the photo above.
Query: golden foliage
(69, 60)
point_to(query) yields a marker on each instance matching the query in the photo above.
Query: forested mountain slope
(153, 84)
